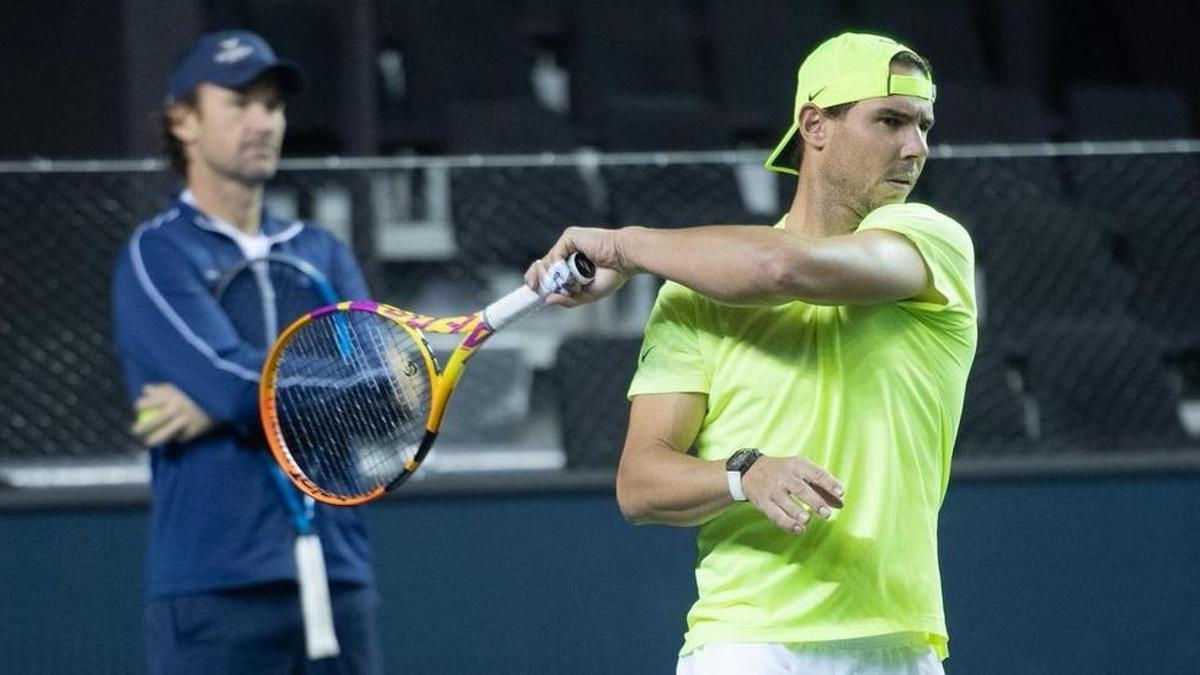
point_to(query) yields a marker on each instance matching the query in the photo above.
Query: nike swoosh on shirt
(646, 353)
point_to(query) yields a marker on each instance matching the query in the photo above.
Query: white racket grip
(320, 639)
(525, 301)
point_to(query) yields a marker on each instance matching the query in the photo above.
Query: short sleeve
(948, 253)
(671, 359)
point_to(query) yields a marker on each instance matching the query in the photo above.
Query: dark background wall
(1082, 575)
(80, 78)
(58, 62)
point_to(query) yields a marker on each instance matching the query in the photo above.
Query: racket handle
(525, 301)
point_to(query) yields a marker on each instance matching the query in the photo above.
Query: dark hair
(170, 145)
(838, 111)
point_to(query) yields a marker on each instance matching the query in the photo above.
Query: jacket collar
(275, 229)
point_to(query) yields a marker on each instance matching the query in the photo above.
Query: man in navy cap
(244, 576)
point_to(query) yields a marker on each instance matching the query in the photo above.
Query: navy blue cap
(231, 59)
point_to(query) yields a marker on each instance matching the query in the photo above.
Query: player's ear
(184, 121)
(813, 126)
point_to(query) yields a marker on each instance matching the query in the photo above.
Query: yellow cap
(847, 68)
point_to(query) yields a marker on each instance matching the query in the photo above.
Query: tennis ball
(146, 415)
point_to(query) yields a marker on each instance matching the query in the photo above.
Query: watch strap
(734, 479)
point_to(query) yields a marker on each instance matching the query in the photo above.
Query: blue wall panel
(1041, 576)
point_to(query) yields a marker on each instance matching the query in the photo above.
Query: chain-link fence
(1080, 248)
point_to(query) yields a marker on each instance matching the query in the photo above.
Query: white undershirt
(252, 245)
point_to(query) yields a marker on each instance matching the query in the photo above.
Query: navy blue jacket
(217, 518)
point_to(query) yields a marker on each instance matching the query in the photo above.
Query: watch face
(742, 460)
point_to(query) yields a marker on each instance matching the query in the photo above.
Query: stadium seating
(306, 31)
(1037, 256)
(976, 113)
(630, 47)
(1071, 250)
(1112, 112)
(544, 21)
(1165, 261)
(953, 43)
(509, 216)
(505, 126)
(1147, 199)
(61, 392)
(493, 404)
(756, 51)
(670, 195)
(439, 52)
(676, 195)
(592, 375)
(1021, 39)
(1101, 385)
(993, 419)
(652, 122)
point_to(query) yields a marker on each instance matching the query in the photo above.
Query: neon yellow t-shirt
(873, 394)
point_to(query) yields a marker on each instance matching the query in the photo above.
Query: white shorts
(881, 655)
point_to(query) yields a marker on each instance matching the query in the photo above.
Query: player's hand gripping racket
(352, 396)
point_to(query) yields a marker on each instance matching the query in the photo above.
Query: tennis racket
(260, 295)
(350, 416)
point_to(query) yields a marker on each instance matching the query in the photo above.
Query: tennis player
(225, 549)
(818, 370)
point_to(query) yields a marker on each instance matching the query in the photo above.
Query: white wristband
(735, 485)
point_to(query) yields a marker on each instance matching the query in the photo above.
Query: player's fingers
(540, 268)
(161, 397)
(148, 401)
(803, 493)
(792, 508)
(535, 272)
(192, 429)
(823, 481)
(145, 403)
(782, 519)
(565, 245)
(599, 289)
(157, 391)
(562, 300)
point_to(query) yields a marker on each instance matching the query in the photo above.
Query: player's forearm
(662, 486)
(734, 264)
(748, 265)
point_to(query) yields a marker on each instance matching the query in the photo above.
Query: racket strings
(410, 394)
(352, 397)
(320, 447)
(315, 429)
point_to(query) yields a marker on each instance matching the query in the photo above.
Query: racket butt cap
(582, 268)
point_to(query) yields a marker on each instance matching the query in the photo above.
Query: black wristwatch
(738, 464)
